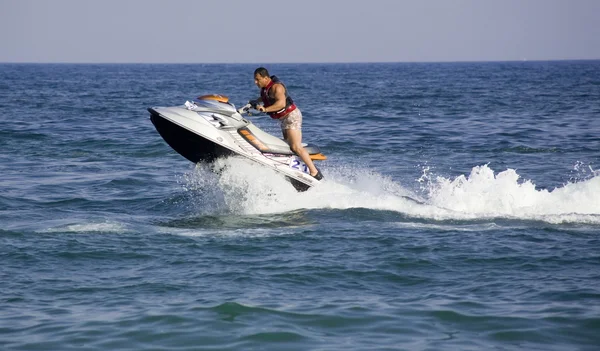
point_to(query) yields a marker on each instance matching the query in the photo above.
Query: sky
(297, 31)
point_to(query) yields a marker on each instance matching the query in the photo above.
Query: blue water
(110, 240)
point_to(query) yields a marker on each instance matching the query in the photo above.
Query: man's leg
(294, 139)
(285, 137)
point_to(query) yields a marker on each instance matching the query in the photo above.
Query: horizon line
(285, 62)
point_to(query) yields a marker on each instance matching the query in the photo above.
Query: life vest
(268, 100)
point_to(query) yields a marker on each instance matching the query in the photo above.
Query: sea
(460, 210)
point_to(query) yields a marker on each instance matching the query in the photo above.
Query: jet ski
(210, 127)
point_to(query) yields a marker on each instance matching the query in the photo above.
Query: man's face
(260, 81)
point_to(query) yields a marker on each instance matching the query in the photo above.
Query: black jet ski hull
(190, 145)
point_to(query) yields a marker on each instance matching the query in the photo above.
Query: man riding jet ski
(278, 103)
(210, 127)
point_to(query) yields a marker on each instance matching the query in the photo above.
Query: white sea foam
(228, 233)
(243, 187)
(486, 194)
(104, 227)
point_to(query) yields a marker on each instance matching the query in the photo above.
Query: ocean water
(110, 240)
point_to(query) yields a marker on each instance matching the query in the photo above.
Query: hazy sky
(187, 31)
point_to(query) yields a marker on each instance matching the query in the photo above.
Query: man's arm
(279, 99)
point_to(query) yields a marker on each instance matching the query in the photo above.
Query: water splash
(485, 194)
(582, 171)
(243, 187)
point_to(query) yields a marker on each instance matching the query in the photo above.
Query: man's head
(261, 77)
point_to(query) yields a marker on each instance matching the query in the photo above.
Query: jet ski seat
(268, 143)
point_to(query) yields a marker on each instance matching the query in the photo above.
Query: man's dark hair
(261, 71)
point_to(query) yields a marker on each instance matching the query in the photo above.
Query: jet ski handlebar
(252, 104)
